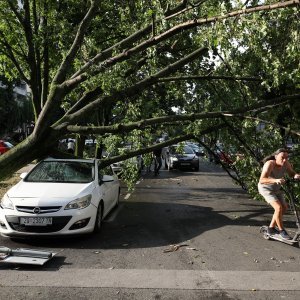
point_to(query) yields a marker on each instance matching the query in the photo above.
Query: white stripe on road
(154, 279)
(127, 196)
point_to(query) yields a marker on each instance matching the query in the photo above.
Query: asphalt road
(181, 235)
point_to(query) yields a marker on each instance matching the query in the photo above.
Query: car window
(62, 171)
(8, 144)
(105, 171)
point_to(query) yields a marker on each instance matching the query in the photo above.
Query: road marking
(127, 196)
(154, 279)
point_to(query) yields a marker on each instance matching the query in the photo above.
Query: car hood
(49, 190)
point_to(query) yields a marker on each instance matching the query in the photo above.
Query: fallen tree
(76, 70)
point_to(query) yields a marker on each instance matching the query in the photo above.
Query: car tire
(98, 221)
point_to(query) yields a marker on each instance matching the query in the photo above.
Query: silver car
(180, 157)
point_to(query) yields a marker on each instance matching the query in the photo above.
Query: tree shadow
(147, 224)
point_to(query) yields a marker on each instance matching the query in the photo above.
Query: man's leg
(159, 162)
(277, 216)
(155, 166)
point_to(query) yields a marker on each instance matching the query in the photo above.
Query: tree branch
(182, 138)
(273, 124)
(125, 43)
(216, 77)
(134, 89)
(59, 89)
(85, 99)
(16, 12)
(178, 29)
(67, 63)
(122, 128)
(175, 12)
(11, 56)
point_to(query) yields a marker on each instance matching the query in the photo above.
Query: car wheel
(98, 222)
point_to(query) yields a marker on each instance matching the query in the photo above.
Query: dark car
(179, 157)
(5, 146)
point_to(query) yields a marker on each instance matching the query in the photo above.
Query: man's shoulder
(269, 164)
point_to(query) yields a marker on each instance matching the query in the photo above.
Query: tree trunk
(80, 143)
(25, 152)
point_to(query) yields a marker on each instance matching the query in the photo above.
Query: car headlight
(6, 202)
(79, 203)
(174, 159)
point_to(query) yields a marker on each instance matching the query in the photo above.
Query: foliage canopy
(208, 70)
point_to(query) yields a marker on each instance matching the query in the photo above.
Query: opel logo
(36, 210)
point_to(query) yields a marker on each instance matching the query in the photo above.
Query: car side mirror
(106, 178)
(23, 175)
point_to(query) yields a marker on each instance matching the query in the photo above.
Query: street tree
(127, 70)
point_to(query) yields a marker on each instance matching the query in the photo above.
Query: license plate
(36, 221)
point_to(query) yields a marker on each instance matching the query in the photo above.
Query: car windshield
(62, 171)
(193, 147)
(180, 150)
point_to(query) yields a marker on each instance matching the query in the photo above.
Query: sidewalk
(26, 168)
(5, 185)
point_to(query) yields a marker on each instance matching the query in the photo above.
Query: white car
(59, 197)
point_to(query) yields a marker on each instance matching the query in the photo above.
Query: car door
(107, 188)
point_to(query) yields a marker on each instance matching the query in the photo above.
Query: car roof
(91, 160)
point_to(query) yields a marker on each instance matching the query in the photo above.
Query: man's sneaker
(272, 230)
(284, 235)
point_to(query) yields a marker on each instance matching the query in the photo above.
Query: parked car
(5, 146)
(119, 166)
(177, 157)
(221, 155)
(59, 197)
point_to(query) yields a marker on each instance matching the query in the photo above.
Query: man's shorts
(270, 195)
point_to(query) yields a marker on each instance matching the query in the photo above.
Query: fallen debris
(173, 248)
(24, 256)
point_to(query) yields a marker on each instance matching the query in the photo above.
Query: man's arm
(291, 171)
